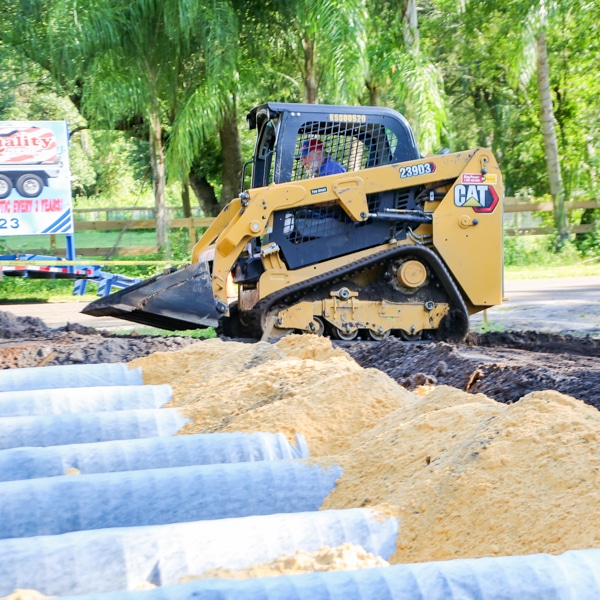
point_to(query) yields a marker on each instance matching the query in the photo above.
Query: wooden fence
(523, 222)
(512, 206)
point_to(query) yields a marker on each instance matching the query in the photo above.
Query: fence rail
(511, 206)
(520, 225)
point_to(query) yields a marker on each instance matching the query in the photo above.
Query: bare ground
(504, 366)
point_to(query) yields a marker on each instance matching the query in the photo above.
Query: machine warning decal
(481, 198)
(416, 170)
(320, 190)
(474, 178)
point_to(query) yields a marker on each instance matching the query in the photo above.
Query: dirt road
(58, 314)
(566, 306)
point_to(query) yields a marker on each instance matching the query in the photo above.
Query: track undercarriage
(405, 291)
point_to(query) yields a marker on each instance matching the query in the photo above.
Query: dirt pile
(503, 366)
(299, 384)
(466, 475)
(29, 342)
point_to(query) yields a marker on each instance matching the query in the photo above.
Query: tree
(511, 40)
(318, 46)
(401, 73)
(170, 62)
(550, 139)
(533, 19)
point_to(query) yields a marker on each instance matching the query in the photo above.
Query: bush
(530, 250)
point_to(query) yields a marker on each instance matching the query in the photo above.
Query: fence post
(193, 233)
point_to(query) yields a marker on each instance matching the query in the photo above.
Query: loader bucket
(182, 299)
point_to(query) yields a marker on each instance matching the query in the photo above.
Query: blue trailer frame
(54, 270)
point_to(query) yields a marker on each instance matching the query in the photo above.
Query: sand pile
(482, 479)
(25, 595)
(347, 557)
(466, 476)
(298, 385)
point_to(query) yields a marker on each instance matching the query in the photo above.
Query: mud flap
(182, 299)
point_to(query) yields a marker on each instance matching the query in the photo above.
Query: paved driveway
(568, 305)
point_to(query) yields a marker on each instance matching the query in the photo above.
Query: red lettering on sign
(50, 205)
(22, 206)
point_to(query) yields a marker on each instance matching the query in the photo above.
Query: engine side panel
(467, 228)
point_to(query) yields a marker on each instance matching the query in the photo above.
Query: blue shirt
(330, 167)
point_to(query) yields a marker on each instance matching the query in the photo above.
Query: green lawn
(17, 289)
(83, 239)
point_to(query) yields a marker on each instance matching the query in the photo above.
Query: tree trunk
(185, 199)
(310, 72)
(157, 156)
(374, 96)
(411, 27)
(187, 210)
(231, 172)
(205, 193)
(550, 140)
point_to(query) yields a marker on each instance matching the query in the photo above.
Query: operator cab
(356, 138)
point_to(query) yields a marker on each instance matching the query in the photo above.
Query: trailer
(16, 265)
(29, 157)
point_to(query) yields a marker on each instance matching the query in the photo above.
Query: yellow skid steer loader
(346, 230)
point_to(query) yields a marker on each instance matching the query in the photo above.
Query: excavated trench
(504, 366)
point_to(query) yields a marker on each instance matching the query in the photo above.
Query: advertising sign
(35, 179)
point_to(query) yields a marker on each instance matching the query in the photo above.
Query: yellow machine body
(414, 246)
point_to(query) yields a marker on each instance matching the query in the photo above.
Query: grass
(191, 333)
(18, 290)
(84, 239)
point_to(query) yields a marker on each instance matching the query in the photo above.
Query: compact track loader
(392, 243)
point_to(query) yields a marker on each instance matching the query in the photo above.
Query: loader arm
(215, 229)
(349, 190)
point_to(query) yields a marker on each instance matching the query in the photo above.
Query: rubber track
(289, 295)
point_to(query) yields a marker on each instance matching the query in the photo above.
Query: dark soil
(29, 342)
(504, 366)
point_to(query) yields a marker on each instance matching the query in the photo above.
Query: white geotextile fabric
(79, 428)
(69, 376)
(118, 559)
(58, 401)
(57, 505)
(148, 453)
(574, 575)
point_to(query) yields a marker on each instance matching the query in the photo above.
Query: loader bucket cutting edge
(182, 299)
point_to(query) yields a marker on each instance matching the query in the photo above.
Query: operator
(316, 161)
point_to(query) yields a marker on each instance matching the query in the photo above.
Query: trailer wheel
(6, 186)
(30, 185)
